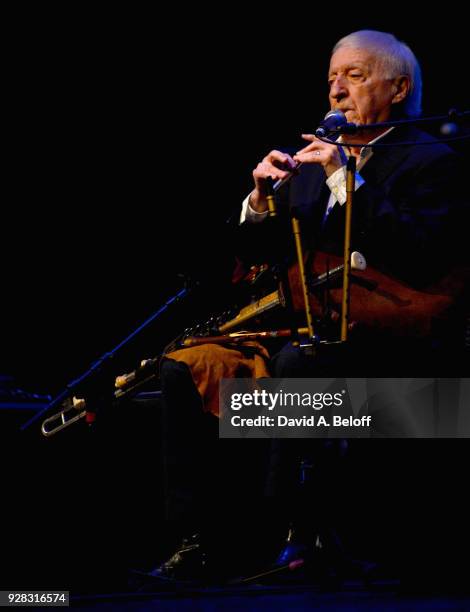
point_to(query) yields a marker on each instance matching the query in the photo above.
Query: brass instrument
(73, 410)
(346, 297)
(239, 337)
(375, 297)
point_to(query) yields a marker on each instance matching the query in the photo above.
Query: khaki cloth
(211, 362)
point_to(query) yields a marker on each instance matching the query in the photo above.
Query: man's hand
(319, 152)
(276, 165)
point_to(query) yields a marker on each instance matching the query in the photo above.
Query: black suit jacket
(404, 217)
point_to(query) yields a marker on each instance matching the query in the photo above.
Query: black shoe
(187, 563)
(287, 566)
(294, 549)
(318, 557)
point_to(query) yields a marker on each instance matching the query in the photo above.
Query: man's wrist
(249, 214)
(257, 204)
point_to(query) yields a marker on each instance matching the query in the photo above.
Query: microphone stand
(351, 128)
(452, 116)
(100, 370)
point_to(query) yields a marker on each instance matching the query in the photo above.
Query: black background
(131, 142)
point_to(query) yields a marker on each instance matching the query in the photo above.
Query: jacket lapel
(384, 160)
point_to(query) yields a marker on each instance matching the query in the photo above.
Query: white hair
(397, 59)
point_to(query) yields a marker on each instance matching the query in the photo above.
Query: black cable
(392, 144)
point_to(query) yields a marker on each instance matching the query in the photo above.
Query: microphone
(332, 122)
(334, 119)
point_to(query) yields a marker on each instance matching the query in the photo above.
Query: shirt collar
(366, 151)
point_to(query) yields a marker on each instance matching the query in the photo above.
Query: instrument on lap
(277, 298)
(377, 300)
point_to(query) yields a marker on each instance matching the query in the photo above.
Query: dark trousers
(212, 486)
(209, 481)
(304, 475)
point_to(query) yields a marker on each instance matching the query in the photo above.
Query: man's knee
(289, 361)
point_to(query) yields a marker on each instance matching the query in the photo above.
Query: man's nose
(338, 88)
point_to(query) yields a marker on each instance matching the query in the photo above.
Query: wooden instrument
(376, 300)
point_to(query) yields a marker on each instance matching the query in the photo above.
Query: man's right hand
(276, 165)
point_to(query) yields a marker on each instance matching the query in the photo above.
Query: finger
(316, 156)
(310, 147)
(282, 158)
(265, 170)
(313, 139)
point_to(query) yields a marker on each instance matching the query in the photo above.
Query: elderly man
(406, 196)
(405, 202)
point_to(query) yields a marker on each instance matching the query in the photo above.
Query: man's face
(358, 86)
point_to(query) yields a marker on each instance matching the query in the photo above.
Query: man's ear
(401, 88)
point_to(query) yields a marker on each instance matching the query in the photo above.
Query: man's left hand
(319, 152)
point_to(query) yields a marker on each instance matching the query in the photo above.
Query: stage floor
(351, 597)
